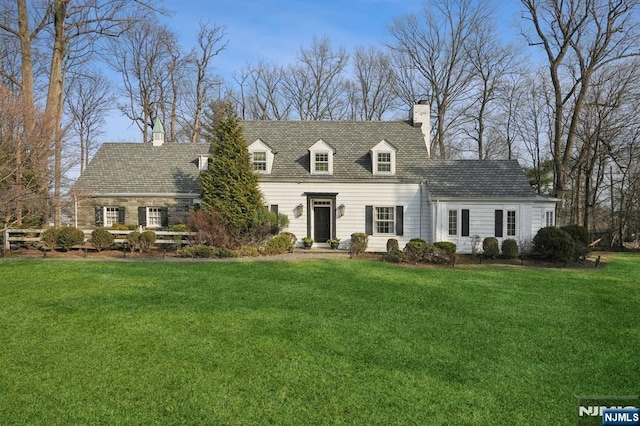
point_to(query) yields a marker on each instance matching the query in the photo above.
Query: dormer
(383, 158)
(321, 158)
(262, 156)
(203, 162)
(158, 133)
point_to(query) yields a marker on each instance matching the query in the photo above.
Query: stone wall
(178, 208)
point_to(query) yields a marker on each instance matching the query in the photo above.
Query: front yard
(332, 341)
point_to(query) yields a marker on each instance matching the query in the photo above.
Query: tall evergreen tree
(230, 186)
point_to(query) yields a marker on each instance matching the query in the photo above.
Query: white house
(331, 178)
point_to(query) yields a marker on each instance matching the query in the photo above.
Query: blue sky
(275, 30)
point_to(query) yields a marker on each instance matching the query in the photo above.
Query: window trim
(315, 162)
(158, 217)
(512, 223)
(549, 218)
(105, 214)
(388, 163)
(389, 223)
(263, 162)
(452, 231)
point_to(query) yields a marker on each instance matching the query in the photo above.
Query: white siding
(354, 197)
(481, 221)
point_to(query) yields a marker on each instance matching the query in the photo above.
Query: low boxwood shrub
(101, 239)
(415, 250)
(177, 227)
(227, 252)
(133, 240)
(394, 255)
(446, 246)
(68, 236)
(199, 251)
(279, 244)
(510, 248)
(248, 251)
(554, 244)
(50, 238)
(490, 247)
(359, 241)
(147, 238)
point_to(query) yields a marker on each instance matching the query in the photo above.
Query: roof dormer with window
(321, 158)
(261, 157)
(383, 158)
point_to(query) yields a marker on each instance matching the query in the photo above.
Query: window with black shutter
(368, 225)
(465, 222)
(399, 220)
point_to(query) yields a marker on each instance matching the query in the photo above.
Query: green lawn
(313, 342)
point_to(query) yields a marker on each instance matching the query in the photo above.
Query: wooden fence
(14, 235)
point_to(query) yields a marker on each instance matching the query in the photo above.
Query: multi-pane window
(322, 162)
(260, 161)
(549, 219)
(110, 216)
(384, 162)
(385, 220)
(453, 222)
(154, 217)
(511, 223)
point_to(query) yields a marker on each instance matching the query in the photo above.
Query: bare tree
(210, 43)
(435, 47)
(578, 39)
(262, 92)
(88, 100)
(371, 92)
(315, 84)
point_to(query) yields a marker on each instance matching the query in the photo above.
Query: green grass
(314, 342)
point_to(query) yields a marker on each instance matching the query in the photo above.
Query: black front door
(321, 223)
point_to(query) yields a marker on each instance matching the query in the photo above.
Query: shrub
(581, 238)
(359, 241)
(248, 251)
(147, 238)
(120, 227)
(579, 233)
(554, 244)
(278, 245)
(490, 247)
(50, 238)
(177, 227)
(445, 246)
(199, 251)
(101, 239)
(392, 244)
(292, 240)
(394, 255)
(68, 237)
(415, 250)
(225, 252)
(510, 249)
(133, 239)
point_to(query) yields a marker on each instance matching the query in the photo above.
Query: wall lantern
(341, 210)
(298, 210)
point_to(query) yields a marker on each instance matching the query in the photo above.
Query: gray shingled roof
(352, 141)
(136, 168)
(477, 179)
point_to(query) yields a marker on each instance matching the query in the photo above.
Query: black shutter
(274, 208)
(99, 218)
(142, 216)
(399, 220)
(164, 217)
(121, 217)
(368, 220)
(465, 222)
(499, 214)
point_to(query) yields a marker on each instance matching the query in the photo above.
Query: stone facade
(178, 208)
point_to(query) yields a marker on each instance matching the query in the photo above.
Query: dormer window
(259, 161)
(261, 156)
(321, 158)
(383, 159)
(384, 162)
(321, 162)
